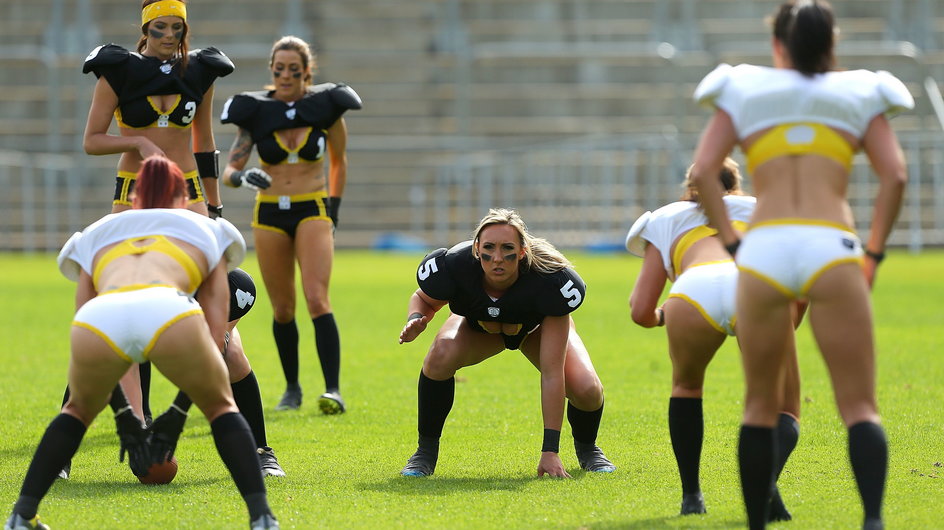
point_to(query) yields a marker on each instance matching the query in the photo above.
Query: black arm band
(551, 441)
(733, 247)
(215, 210)
(877, 257)
(208, 164)
(414, 316)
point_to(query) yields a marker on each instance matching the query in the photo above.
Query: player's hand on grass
(164, 434)
(413, 328)
(551, 465)
(133, 439)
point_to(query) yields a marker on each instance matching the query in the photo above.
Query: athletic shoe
(692, 503)
(331, 403)
(18, 522)
(592, 459)
(291, 399)
(264, 522)
(66, 470)
(269, 464)
(421, 464)
(776, 510)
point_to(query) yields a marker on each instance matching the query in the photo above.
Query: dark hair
(730, 179)
(295, 44)
(158, 184)
(807, 29)
(183, 47)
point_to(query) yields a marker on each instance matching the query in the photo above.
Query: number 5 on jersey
(428, 267)
(571, 293)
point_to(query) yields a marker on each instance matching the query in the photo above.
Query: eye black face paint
(179, 35)
(510, 257)
(486, 257)
(155, 34)
(297, 75)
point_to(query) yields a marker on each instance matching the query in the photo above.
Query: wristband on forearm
(415, 315)
(661, 313)
(551, 441)
(877, 257)
(208, 164)
(215, 211)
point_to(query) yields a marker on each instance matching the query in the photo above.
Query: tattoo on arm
(241, 150)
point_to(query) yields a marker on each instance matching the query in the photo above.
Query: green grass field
(343, 471)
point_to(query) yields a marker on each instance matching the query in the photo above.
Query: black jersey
(135, 77)
(456, 276)
(262, 115)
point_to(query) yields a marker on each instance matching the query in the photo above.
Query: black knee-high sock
(687, 431)
(435, 400)
(57, 446)
(788, 432)
(249, 401)
(584, 425)
(144, 369)
(238, 450)
(868, 453)
(328, 343)
(286, 341)
(757, 449)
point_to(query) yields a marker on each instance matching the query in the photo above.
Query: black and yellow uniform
(135, 78)
(456, 275)
(262, 115)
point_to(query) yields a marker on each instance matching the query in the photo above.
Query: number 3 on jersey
(428, 267)
(571, 293)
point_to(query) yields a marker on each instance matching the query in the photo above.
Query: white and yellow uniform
(131, 318)
(800, 115)
(673, 229)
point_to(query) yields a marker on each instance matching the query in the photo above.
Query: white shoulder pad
(895, 93)
(740, 207)
(635, 244)
(235, 245)
(711, 86)
(67, 264)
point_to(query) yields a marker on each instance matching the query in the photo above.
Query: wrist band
(733, 247)
(877, 257)
(661, 317)
(178, 409)
(122, 410)
(218, 210)
(551, 441)
(414, 316)
(208, 164)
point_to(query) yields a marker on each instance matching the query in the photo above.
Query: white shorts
(791, 256)
(132, 318)
(711, 288)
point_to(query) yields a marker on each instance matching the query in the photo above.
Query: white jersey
(663, 227)
(214, 237)
(759, 97)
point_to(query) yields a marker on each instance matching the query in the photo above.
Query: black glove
(134, 441)
(253, 178)
(164, 433)
(333, 204)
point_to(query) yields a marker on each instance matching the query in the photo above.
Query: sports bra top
(160, 244)
(263, 117)
(136, 78)
(800, 139)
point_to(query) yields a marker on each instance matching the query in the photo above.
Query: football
(161, 473)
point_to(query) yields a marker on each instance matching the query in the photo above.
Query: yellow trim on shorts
(716, 262)
(318, 196)
(825, 142)
(301, 197)
(701, 310)
(128, 176)
(770, 281)
(841, 261)
(802, 221)
(135, 287)
(105, 338)
(145, 354)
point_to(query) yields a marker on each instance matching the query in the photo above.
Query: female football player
(506, 289)
(799, 125)
(292, 125)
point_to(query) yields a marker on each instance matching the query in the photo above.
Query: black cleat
(693, 503)
(264, 522)
(873, 524)
(331, 403)
(592, 459)
(268, 463)
(291, 399)
(776, 511)
(18, 522)
(421, 464)
(66, 470)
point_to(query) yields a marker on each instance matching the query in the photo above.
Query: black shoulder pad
(104, 55)
(239, 109)
(242, 293)
(344, 96)
(215, 60)
(433, 278)
(565, 290)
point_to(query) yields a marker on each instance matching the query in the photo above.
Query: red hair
(159, 183)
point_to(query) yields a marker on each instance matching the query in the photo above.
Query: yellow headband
(164, 8)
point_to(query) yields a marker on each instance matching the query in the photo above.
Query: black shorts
(124, 185)
(283, 213)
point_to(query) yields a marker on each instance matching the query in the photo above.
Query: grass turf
(343, 470)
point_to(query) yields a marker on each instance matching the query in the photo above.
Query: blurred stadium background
(576, 112)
